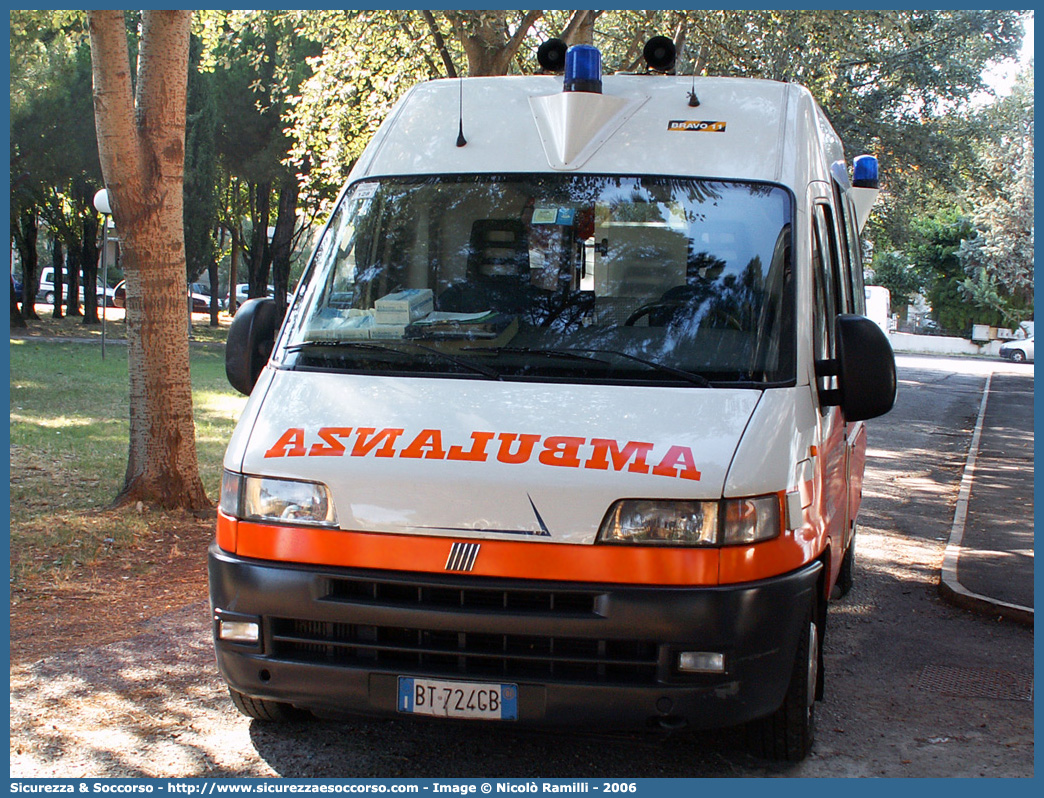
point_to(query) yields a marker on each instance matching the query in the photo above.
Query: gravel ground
(154, 706)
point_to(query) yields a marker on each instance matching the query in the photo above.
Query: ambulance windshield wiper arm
(397, 347)
(583, 353)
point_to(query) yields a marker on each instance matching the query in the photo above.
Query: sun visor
(573, 125)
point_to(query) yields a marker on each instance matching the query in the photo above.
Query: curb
(950, 587)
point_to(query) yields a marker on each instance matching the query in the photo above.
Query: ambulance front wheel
(262, 708)
(788, 733)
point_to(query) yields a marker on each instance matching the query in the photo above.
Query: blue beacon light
(583, 69)
(864, 172)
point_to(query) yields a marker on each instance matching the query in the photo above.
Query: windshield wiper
(565, 354)
(582, 354)
(397, 347)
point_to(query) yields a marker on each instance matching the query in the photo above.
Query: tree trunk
(58, 262)
(259, 254)
(580, 29)
(17, 319)
(25, 229)
(487, 39)
(233, 270)
(89, 259)
(141, 141)
(212, 276)
(440, 44)
(73, 262)
(283, 241)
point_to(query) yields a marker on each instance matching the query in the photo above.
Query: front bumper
(338, 639)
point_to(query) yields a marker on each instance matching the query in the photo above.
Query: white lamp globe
(101, 202)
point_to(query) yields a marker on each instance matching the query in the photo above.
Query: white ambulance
(565, 424)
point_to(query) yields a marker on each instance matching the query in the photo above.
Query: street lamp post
(101, 203)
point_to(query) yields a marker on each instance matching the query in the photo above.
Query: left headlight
(649, 522)
(271, 499)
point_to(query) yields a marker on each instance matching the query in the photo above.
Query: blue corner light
(583, 69)
(864, 172)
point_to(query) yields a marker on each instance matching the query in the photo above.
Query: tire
(1018, 356)
(49, 298)
(262, 709)
(788, 733)
(846, 574)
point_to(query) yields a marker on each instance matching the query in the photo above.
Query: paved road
(996, 559)
(915, 686)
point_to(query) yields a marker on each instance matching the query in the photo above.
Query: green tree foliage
(491, 39)
(298, 94)
(885, 78)
(903, 281)
(54, 152)
(999, 259)
(353, 88)
(259, 58)
(933, 249)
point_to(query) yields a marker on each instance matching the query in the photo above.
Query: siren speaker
(659, 53)
(551, 55)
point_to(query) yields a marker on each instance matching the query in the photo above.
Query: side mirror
(250, 341)
(866, 382)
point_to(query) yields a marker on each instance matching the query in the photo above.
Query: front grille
(401, 594)
(454, 654)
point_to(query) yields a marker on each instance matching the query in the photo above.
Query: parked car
(200, 301)
(243, 294)
(1018, 351)
(45, 293)
(929, 326)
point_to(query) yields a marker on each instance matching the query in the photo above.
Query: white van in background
(879, 307)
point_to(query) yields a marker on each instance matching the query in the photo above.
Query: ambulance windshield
(559, 277)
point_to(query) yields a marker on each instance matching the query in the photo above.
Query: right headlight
(276, 500)
(656, 522)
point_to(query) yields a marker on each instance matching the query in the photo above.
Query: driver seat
(497, 270)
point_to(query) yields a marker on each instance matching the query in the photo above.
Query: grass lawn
(69, 438)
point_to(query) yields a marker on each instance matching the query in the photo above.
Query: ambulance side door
(851, 274)
(830, 296)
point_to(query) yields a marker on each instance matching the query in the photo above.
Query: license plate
(449, 699)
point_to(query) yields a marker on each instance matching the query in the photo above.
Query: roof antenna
(694, 101)
(461, 141)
